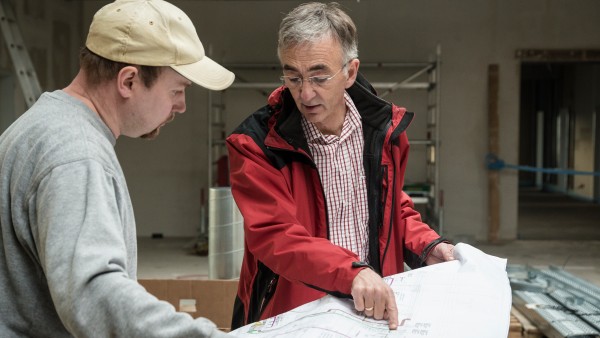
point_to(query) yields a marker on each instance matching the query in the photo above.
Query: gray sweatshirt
(68, 242)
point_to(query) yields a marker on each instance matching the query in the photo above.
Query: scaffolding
(19, 55)
(423, 76)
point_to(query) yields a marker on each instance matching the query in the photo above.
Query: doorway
(558, 129)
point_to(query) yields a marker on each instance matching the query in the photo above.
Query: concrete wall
(167, 176)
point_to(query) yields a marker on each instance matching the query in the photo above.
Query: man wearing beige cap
(68, 239)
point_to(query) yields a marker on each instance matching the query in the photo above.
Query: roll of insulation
(225, 235)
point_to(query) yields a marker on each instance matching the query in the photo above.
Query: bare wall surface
(167, 176)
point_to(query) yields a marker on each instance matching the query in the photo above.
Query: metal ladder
(26, 74)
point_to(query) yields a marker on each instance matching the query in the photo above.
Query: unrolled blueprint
(468, 297)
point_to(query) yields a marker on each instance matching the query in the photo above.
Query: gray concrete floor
(553, 230)
(170, 258)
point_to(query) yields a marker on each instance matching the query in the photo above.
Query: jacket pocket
(263, 289)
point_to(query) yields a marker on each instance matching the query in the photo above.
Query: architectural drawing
(468, 297)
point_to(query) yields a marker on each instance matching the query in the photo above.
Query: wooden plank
(529, 330)
(515, 329)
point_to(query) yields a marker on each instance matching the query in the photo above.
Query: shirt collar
(351, 122)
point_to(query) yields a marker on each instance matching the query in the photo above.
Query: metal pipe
(406, 84)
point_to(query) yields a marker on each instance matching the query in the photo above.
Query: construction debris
(558, 303)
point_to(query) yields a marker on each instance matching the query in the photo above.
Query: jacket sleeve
(81, 248)
(273, 233)
(419, 238)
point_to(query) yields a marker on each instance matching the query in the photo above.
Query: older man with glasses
(317, 174)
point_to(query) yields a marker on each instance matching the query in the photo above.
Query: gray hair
(312, 21)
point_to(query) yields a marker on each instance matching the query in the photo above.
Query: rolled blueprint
(225, 235)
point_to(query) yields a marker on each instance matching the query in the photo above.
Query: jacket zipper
(387, 243)
(261, 308)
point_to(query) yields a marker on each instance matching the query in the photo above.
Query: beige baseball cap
(154, 33)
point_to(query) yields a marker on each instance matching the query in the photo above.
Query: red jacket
(288, 259)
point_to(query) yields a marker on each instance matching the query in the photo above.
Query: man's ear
(127, 78)
(352, 72)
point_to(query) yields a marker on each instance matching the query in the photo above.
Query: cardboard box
(212, 299)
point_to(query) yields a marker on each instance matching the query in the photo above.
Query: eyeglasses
(295, 82)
